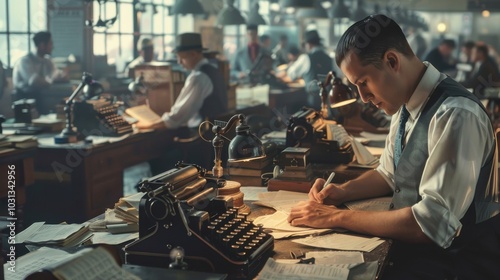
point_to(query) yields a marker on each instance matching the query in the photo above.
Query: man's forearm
(370, 184)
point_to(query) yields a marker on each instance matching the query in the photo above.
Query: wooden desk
(81, 181)
(283, 247)
(22, 160)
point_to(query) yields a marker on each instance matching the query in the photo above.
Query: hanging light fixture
(316, 12)
(229, 15)
(296, 3)
(188, 7)
(359, 13)
(340, 10)
(254, 17)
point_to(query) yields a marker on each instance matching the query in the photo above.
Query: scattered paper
(363, 155)
(113, 239)
(373, 136)
(252, 193)
(28, 232)
(278, 271)
(340, 241)
(335, 257)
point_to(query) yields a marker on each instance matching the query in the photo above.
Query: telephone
(99, 117)
(328, 142)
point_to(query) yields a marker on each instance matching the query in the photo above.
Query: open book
(89, 263)
(143, 114)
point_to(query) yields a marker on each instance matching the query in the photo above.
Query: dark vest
(321, 64)
(477, 249)
(216, 103)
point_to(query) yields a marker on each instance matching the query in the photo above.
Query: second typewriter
(183, 222)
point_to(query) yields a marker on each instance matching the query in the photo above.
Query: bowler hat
(312, 37)
(188, 41)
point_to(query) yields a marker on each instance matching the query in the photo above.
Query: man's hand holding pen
(319, 210)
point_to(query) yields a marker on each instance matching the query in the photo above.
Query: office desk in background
(22, 159)
(79, 181)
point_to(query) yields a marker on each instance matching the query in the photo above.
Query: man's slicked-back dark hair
(370, 38)
(41, 37)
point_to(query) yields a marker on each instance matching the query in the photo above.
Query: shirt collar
(431, 78)
(200, 63)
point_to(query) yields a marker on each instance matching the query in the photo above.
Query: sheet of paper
(277, 220)
(372, 204)
(340, 241)
(376, 151)
(278, 271)
(373, 136)
(113, 239)
(335, 257)
(96, 264)
(134, 199)
(34, 261)
(252, 193)
(27, 233)
(280, 200)
(363, 155)
(364, 271)
(278, 234)
(54, 233)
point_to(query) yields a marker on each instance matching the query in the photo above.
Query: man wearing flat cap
(311, 64)
(248, 57)
(146, 54)
(204, 94)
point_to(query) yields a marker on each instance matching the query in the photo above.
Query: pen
(329, 180)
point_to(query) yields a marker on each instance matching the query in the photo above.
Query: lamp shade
(340, 94)
(316, 12)
(245, 146)
(229, 15)
(359, 13)
(188, 7)
(296, 3)
(92, 90)
(340, 10)
(254, 17)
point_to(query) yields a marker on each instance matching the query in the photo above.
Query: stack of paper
(340, 241)
(61, 235)
(124, 217)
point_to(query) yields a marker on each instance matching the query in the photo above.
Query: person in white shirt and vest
(204, 94)
(439, 164)
(311, 66)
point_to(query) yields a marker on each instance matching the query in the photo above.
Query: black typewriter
(181, 212)
(99, 117)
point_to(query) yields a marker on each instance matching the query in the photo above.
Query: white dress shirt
(31, 67)
(186, 109)
(460, 139)
(299, 68)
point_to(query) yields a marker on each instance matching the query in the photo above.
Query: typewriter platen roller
(181, 208)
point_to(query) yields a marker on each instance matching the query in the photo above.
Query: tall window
(19, 20)
(148, 18)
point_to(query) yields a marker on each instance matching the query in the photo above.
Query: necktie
(400, 135)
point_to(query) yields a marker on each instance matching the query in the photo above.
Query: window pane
(158, 20)
(127, 16)
(113, 48)
(18, 47)
(38, 16)
(18, 15)
(186, 23)
(158, 43)
(145, 25)
(127, 49)
(3, 17)
(110, 13)
(4, 54)
(169, 23)
(169, 47)
(99, 46)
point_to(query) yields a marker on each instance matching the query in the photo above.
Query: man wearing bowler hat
(204, 94)
(311, 64)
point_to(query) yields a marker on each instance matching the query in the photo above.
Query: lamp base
(232, 189)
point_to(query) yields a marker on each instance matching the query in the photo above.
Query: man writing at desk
(438, 160)
(204, 94)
